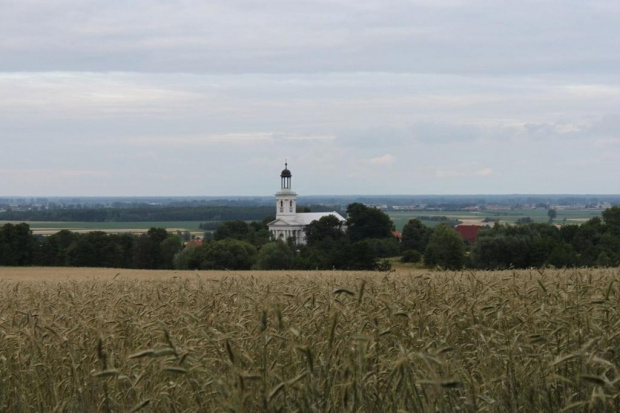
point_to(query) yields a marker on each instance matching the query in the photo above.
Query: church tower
(286, 199)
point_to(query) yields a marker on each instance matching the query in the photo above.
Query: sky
(208, 98)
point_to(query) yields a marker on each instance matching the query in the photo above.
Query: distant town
(470, 203)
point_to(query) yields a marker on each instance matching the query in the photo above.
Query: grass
(572, 216)
(124, 340)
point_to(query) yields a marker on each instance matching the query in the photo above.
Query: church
(289, 223)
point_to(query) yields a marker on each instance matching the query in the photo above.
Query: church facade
(289, 223)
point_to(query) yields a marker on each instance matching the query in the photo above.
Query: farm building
(468, 232)
(289, 223)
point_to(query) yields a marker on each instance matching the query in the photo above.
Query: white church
(289, 223)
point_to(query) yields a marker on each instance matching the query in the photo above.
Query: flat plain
(564, 216)
(124, 340)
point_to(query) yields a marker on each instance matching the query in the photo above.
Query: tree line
(363, 242)
(140, 214)
(153, 250)
(146, 213)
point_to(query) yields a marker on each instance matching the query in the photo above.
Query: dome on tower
(286, 173)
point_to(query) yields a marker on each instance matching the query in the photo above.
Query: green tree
(169, 247)
(53, 249)
(562, 255)
(276, 255)
(552, 214)
(94, 249)
(367, 222)
(189, 258)
(415, 236)
(611, 216)
(147, 250)
(228, 254)
(236, 229)
(17, 245)
(327, 229)
(445, 248)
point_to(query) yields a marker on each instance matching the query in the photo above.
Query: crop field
(50, 227)
(577, 216)
(80, 340)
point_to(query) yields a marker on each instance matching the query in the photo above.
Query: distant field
(82, 340)
(571, 216)
(47, 227)
(399, 219)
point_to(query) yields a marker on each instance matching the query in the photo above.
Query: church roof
(305, 218)
(285, 172)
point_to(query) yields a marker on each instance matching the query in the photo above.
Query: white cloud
(463, 171)
(198, 140)
(386, 159)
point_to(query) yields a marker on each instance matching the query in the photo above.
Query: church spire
(285, 178)
(286, 199)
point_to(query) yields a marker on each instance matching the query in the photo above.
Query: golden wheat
(118, 340)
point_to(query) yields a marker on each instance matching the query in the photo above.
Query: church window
(290, 208)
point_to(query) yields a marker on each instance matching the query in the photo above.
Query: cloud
(283, 37)
(386, 159)
(198, 140)
(463, 171)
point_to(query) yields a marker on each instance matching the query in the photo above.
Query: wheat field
(76, 340)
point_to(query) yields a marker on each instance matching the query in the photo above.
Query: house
(289, 223)
(468, 232)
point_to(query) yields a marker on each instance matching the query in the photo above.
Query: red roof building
(468, 232)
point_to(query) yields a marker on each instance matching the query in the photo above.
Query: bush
(411, 256)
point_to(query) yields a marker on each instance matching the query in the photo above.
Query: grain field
(76, 340)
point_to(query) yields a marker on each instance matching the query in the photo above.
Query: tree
(326, 229)
(552, 213)
(17, 245)
(228, 254)
(611, 216)
(562, 255)
(236, 229)
(366, 222)
(94, 249)
(169, 247)
(147, 250)
(275, 256)
(415, 236)
(53, 249)
(445, 248)
(189, 258)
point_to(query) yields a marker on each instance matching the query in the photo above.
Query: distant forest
(147, 214)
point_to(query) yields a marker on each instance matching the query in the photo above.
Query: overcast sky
(195, 97)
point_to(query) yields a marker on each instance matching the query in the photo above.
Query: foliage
(275, 256)
(445, 249)
(256, 233)
(17, 245)
(153, 250)
(415, 236)
(412, 256)
(594, 243)
(327, 229)
(367, 222)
